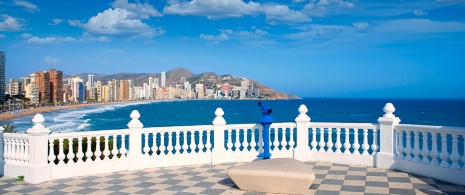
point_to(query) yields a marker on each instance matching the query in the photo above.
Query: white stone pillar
(219, 154)
(135, 158)
(385, 157)
(302, 151)
(38, 169)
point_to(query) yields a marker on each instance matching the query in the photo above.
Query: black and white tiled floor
(212, 179)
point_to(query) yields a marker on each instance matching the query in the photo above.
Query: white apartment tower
(163, 79)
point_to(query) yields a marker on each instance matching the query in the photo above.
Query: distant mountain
(174, 76)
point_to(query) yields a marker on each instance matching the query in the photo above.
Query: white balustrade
(400, 144)
(408, 146)
(76, 140)
(16, 149)
(347, 142)
(374, 146)
(441, 157)
(330, 143)
(365, 145)
(338, 141)
(314, 143)
(322, 142)
(356, 145)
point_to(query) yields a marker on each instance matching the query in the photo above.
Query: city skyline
(317, 48)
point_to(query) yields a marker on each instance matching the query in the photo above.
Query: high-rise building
(42, 80)
(2, 76)
(156, 83)
(14, 87)
(75, 91)
(115, 90)
(56, 85)
(24, 82)
(163, 79)
(99, 91)
(123, 90)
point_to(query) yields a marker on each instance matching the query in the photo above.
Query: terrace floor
(212, 179)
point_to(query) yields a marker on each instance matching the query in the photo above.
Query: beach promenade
(331, 178)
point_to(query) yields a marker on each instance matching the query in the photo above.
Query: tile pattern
(212, 179)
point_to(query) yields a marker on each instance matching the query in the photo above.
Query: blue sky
(311, 48)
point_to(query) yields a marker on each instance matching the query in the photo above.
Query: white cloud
(360, 26)
(26, 35)
(10, 24)
(419, 26)
(51, 40)
(118, 22)
(51, 61)
(276, 14)
(419, 12)
(2, 36)
(56, 21)
(214, 9)
(140, 10)
(28, 5)
(298, 1)
(321, 8)
(215, 38)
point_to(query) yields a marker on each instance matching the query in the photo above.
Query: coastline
(8, 116)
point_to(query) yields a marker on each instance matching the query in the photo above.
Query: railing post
(135, 158)
(39, 169)
(302, 151)
(218, 151)
(385, 157)
(2, 165)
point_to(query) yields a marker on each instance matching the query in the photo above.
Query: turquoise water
(201, 112)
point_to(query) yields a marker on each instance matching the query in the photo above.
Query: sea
(440, 112)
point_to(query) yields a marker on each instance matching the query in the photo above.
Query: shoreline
(27, 112)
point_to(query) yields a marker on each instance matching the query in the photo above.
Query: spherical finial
(219, 112)
(389, 110)
(38, 120)
(135, 115)
(302, 110)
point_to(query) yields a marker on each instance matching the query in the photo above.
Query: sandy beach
(8, 116)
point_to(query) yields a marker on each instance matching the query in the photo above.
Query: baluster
(463, 155)
(201, 144)
(22, 156)
(322, 140)
(106, 150)
(123, 149)
(208, 144)
(347, 142)
(253, 143)
(356, 145)
(455, 156)
(154, 144)
(61, 155)
(365, 145)
(444, 154)
(114, 150)
(6, 152)
(400, 144)
(192, 145)
(246, 138)
(51, 155)
(434, 151)
(291, 139)
(283, 139)
(230, 143)
(338, 141)
(11, 152)
(162, 147)
(330, 143)
(275, 140)
(170, 143)
(2, 152)
(184, 142)
(374, 146)
(416, 147)
(314, 143)
(241, 143)
(146, 144)
(16, 152)
(98, 151)
(26, 151)
(89, 149)
(425, 151)
(79, 153)
(408, 146)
